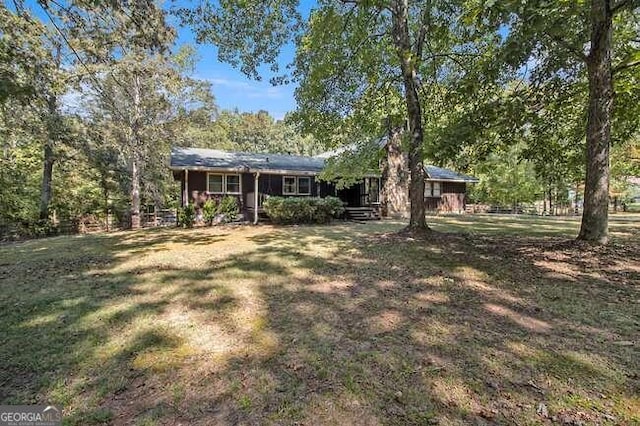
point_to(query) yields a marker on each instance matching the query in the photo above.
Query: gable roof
(213, 159)
(217, 160)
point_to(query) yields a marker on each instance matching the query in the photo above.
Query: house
(208, 173)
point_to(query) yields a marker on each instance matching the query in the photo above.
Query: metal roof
(199, 158)
(438, 173)
(213, 159)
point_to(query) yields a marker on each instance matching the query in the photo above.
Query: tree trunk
(395, 182)
(135, 157)
(53, 124)
(408, 64)
(135, 193)
(47, 177)
(595, 215)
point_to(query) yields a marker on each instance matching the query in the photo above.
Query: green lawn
(494, 320)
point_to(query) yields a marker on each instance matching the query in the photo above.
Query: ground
(494, 320)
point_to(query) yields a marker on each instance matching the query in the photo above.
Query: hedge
(288, 210)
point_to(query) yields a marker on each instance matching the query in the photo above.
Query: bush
(229, 208)
(303, 210)
(209, 211)
(187, 216)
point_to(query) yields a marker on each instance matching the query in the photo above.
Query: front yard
(342, 324)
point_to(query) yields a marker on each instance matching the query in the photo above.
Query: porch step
(362, 213)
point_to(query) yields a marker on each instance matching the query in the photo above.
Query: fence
(84, 225)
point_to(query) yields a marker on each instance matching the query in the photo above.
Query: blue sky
(233, 89)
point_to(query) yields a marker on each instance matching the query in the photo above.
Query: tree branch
(625, 66)
(615, 8)
(425, 23)
(569, 47)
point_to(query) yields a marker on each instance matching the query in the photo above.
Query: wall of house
(269, 184)
(451, 200)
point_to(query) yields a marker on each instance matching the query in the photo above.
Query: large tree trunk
(53, 124)
(395, 182)
(417, 220)
(595, 216)
(135, 146)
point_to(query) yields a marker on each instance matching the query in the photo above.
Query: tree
(355, 54)
(550, 37)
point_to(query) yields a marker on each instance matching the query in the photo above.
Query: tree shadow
(326, 325)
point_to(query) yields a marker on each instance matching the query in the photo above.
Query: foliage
(568, 53)
(209, 210)
(506, 180)
(228, 207)
(289, 210)
(348, 165)
(187, 216)
(363, 67)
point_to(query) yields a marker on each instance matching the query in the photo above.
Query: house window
(216, 184)
(289, 185)
(304, 185)
(436, 189)
(296, 185)
(233, 184)
(223, 184)
(432, 189)
(374, 190)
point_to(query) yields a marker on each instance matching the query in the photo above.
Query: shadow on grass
(327, 325)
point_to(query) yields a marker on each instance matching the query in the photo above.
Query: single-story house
(208, 173)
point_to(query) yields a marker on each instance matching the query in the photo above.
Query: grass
(489, 321)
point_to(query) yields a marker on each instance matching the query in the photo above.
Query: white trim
(284, 185)
(297, 185)
(224, 183)
(256, 195)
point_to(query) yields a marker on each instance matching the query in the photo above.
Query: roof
(438, 173)
(213, 159)
(206, 159)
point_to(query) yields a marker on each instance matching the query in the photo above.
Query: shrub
(228, 207)
(187, 216)
(303, 209)
(209, 211)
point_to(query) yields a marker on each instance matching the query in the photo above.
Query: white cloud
(251, 90)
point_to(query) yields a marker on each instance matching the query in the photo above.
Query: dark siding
(452, 198)
(454, 187)
(197, 181)
(273, 185)
(327, 189)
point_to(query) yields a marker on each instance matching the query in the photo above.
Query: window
(436, 189)
(432, 189)
(374, 190)
(233, 184)
(304, 185)
(289, 185)
(223, 184)
(216, 184)
(296, 185)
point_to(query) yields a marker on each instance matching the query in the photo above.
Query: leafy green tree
(358, 62)
(506, 179)
(567, 44)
